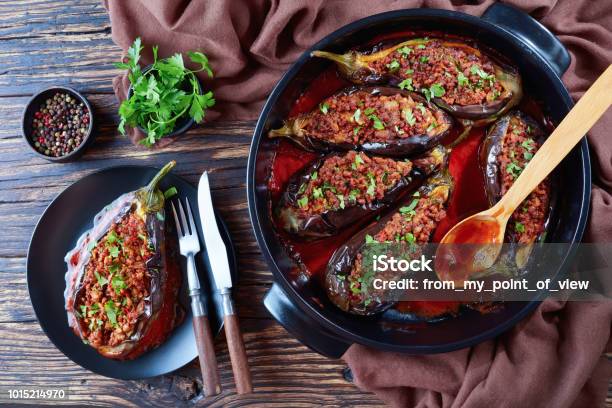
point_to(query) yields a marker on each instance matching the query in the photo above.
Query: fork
(189, 245)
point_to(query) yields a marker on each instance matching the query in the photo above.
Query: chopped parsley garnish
(409, 237)
(462, 80)
(409, 117)
(356, 130)
(114, 268)
(171, 192)
(341, 199)
(393, 65)
(369, 239)
(476, 70)
(324, 108)
(434, 91)
(432, 125)
(113, 251)
(408, 210)
(519, 227)
(406, 84)
(303, 202)
(424, 59)
(353, 194)
(357, 115)
(404, 51)
(528, 155)
(421, 107)
(409, 71)
(111, 312)
(514, 169)
(376, 122)
(314, 175)
(357, 162)
(102, 280)
(160, 216)
(372, 185)
(118, 283)
(421, 46)
(302, 188)
(528, 144)
(317, 192)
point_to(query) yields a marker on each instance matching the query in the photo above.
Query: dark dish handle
(531, 32)
(306, 330)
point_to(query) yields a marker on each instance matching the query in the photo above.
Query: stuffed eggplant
(455, 75)
(123, 277)
(509, 145)
(349, 277)
(383, 121)
(346, 188)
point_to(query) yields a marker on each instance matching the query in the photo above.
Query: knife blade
(217, 256)
(215, 247)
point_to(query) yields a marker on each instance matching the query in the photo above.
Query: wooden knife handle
(206, 353)
(240, 364)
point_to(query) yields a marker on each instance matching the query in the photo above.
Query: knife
(217, 256)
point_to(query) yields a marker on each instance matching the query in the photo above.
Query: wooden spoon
(487, 228)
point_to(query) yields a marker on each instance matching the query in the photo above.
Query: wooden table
(44, 43)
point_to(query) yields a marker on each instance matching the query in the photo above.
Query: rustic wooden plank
(285, 373)
(61, 42)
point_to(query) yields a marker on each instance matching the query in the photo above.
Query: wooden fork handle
(206, 353)
(235, 345)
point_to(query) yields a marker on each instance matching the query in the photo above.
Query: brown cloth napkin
(551, 359)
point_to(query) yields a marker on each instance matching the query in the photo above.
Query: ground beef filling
(453, 73)
(348, 180)
(518, 147)
(362, 117)
(414, 223)
(115, 284)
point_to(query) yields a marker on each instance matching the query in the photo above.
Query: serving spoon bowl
(484, 231)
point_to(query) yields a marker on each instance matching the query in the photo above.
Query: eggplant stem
(284, 131)
(150, 197)
(347, 62)
(160, 175)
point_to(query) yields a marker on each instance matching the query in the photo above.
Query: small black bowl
(181, 125)
(28, 116)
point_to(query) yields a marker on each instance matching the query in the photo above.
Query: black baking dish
(299, 306)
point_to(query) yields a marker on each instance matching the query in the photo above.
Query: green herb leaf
(528, 155)
(393, 65)
(324, 108)
(341, 199)
(404, 51)
(424, 59)
(528, 144)
(357, 115)
(171, 192)
(160, 216)
(303, 202)
(199, 58)
(408, 115)
(112, 311)
(372, 185)
(406, 84)
(519, 227)
(369, 239)
(317, 192)
(118, 283)
(102, 280)
(409, 237)
(113, 251)
(462, 80)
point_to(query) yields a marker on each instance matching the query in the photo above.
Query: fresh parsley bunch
(164, 94)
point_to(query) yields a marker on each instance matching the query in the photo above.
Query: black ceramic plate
(66, 218)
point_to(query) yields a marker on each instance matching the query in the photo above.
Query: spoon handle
(570, 131)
